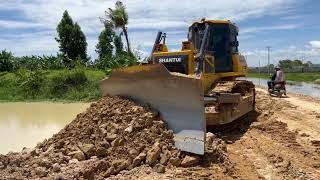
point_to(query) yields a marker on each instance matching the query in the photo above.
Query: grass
(52, 85)
(302, 77)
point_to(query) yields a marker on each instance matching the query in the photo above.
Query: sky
(289, 27)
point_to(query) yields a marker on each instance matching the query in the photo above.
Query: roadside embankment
(51, 85)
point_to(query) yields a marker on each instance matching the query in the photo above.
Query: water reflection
(308, 89)
(26, 124)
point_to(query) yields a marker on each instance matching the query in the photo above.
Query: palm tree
(118, 17)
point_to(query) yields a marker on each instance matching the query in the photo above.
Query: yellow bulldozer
(193, 88)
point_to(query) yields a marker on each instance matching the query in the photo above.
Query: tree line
(289, 64)
(73, 46)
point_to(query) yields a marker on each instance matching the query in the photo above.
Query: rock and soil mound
(278, 141)
(237, 86)
(113, 135)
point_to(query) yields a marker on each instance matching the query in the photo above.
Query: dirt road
(281, 140)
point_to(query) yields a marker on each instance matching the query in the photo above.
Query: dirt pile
(113, 135)
(237, 86)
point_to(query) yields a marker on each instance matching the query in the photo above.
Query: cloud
(38, 43)
(24, 46)
(305, 53)
(145, 19)
(269, 28)
(19, 24)
(243, 37)
(292, 17)
(148, 13)
(154, 24)
(315, 44)
(194, 9)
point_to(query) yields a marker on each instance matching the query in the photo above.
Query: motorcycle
(278, 90)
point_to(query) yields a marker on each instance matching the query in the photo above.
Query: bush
(10, 63)
(37, 62)
(76, 78)
(126, 60)
(66, 81)
(6, 61)
(72, 85)
(34, 84)
(22, 75)
(121, 60)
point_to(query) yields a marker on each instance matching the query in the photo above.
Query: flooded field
(308, 89)
(26, 124)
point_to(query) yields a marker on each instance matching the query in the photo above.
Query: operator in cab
(277, 78)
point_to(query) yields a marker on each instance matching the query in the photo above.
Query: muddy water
(26, 124)
(308, 89)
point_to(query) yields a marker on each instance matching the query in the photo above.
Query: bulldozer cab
(221, 42)
(214, 42)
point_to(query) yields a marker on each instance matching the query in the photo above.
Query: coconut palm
(118, 17)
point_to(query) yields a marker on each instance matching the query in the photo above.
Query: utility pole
(268, 47)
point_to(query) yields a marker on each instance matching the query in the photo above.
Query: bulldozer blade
(179, 100)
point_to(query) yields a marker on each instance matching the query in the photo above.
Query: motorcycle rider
(277, 78)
